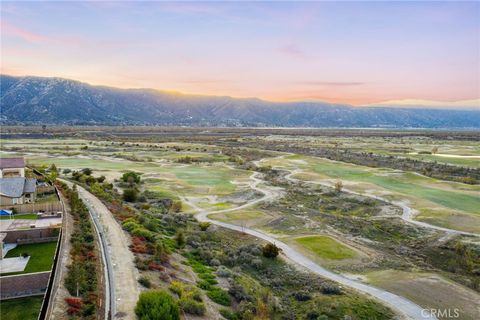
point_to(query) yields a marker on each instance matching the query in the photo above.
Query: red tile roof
(12, 163)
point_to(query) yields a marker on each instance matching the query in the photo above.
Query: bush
(223, 272)
(228, 314)
(192, 307)
(180, 238)
(157, 305)
(205, 285)
(144, 281)
(176, 287)
(302, 296)
(131, 177)
(219, 296)
(142, 232)
(130, 195)
(270, 250)
(331, 289)
(204, 225)
(176, 206)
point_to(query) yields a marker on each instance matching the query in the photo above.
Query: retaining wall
(23, 285)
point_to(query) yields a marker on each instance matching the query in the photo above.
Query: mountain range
(40, 100)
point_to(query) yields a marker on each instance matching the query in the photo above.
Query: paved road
(403, 306)
(120, 260)
(408, 212)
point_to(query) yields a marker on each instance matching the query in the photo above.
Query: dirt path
(401, 305)
(125, 274)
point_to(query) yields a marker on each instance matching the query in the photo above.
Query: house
(17, 190)
(14, 187)
(12, 167)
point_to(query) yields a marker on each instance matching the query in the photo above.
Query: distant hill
(36, 100)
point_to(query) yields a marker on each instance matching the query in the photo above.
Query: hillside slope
(62, 101)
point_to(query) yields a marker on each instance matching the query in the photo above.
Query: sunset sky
(342, 52)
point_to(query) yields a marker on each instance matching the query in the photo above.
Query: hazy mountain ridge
(63, 101)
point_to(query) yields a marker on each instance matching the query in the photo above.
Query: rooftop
(16, 186)
(12, 163)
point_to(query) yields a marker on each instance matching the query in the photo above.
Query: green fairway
(238, 216)
(41, 256)
(26, 216)
(21, 309)
(326, 247)
(401, 183)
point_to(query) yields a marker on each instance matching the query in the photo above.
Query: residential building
(12, 167)
(17, 190)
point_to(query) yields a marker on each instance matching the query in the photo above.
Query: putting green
(326, 247)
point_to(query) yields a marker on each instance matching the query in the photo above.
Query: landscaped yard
(23, 216)
(21, 309)
(41, 256)
(49, 197)
(326, 247)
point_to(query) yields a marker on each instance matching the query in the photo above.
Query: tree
(180, 238)
(87, 171)
(130, 195)
(157, 305)
(270, 250)
(131, 177)
(53, 173)
(338, 186)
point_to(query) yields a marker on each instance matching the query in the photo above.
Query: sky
(341, 52)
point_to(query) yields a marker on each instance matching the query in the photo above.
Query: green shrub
(192, 307)
(144, 281)
(228, 314)
(142, 232)
(176, 287)
(130, 195)
(203, 284)
(131, 177)
(180, 238)
(130, 225)
(206, 275)
(157, 305)
(270, 250)
(204, 225)
(219, 296)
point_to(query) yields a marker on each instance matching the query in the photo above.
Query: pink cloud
(292, 51)
(37, 38)
(32, 37)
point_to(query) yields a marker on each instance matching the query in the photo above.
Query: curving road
(402, 305)
(407, 212)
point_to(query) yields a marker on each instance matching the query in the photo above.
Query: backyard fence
(35, 207)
